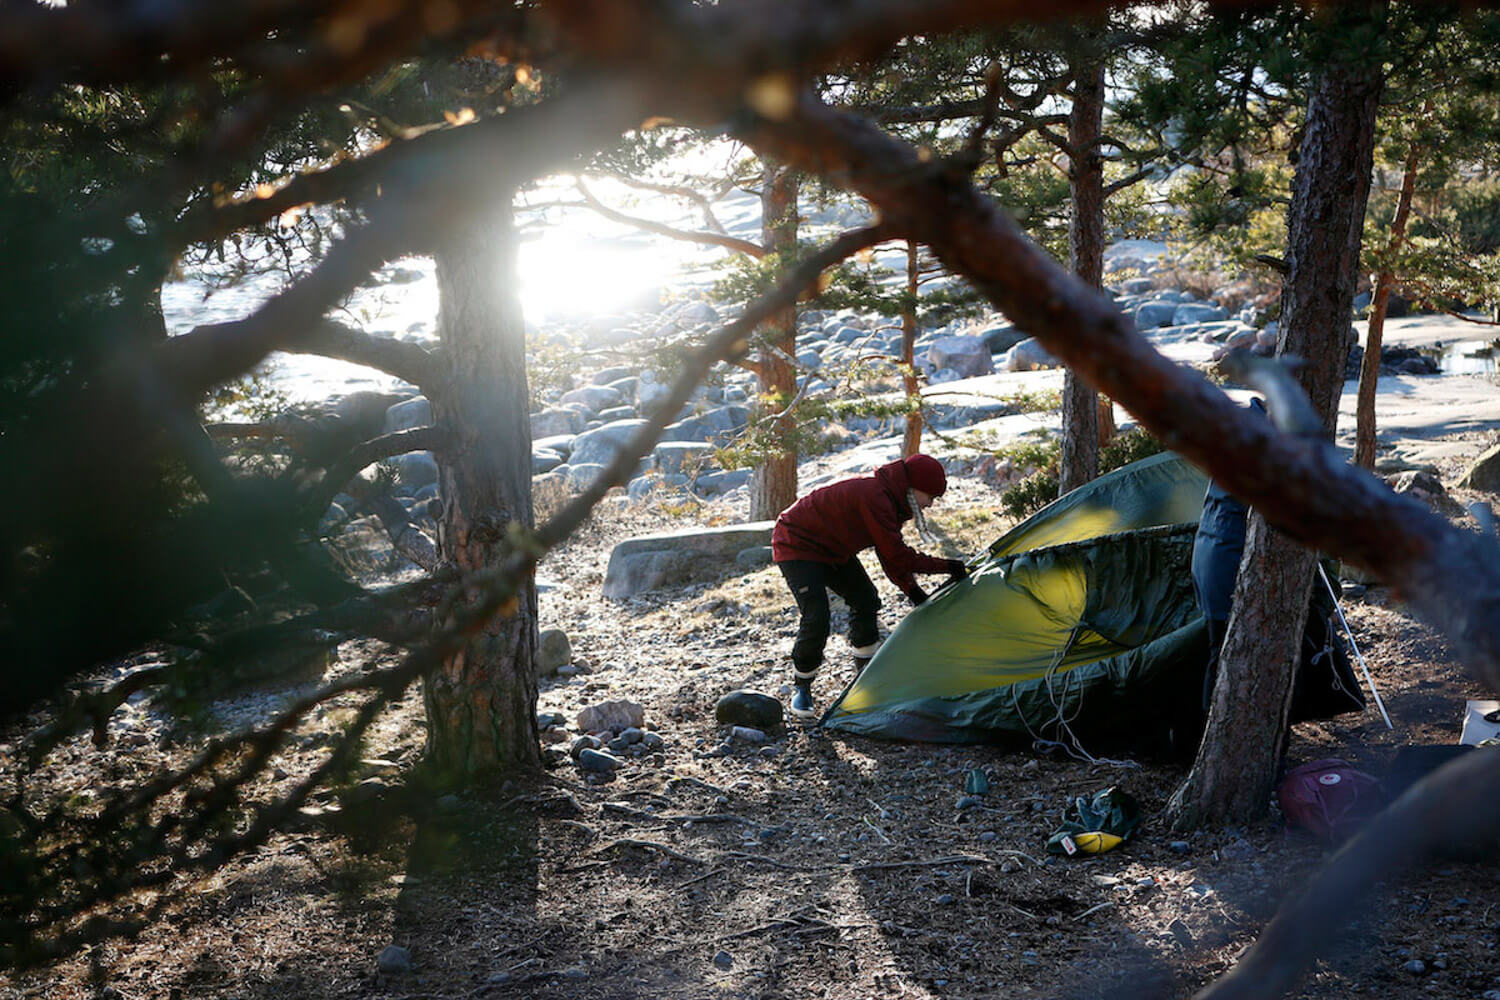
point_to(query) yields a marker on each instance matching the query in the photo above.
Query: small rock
(748, 708)
(746, 735)
(614, 716)
(393, 959)
(652, 741)
(966, 802)
(989, 837)
(723, 959)
(633, 735)
(550, 720)
(585, 743)
(770, 752)
(1180, 847)
(1416, 967)
(619, 745)
(598, 761)
(946, 899)
(1009, 867)
(499, 979)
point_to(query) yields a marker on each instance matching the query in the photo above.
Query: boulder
(1027, 356)
(407, 414)
(556, 421)
(847, 334)
(1154, 314)
(678, 557)
(553, 650)
(753, 558)
(615, 413)
(650, 391)
(611, 716)
(1136, 286)
(697, 314)
(365, 411)
(415, 469)
(713, 484)
(673, 457)
(969, 356)
(362, 549)
(605, 376)
(581, 475)
(1484, 474)
(600, 445)
(596, 397)
(717, 425)
(643, 486)
(1000, 339)
(748, 708)
(1198, 312)
(544, 460)
(560, 443)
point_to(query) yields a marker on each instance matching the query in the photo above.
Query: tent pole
(1339, 607)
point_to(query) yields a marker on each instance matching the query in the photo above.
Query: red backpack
(1328, 798)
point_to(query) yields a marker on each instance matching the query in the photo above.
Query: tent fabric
(1083, 614)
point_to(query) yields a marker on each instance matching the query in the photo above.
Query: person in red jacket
(816, 544)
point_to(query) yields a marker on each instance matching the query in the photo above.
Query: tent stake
(1348, 632)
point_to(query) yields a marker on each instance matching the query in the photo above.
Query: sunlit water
(1468, 357)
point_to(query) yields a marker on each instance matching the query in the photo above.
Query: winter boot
(802, 699)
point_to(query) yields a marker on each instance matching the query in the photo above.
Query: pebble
(632, 735)
(966, 802)
(1180, 847)
(769, 752)
(585, 743)
(1416, 967)
(652, 741)
(723, 959)
(393, 958)
(1009, 868)
(988, 836)
(746, 735)
(946, 899)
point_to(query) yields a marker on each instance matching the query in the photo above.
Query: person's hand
(957, 570)
(918, 595)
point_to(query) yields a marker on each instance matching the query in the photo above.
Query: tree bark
(1369, 367)
(1240, 756)
(1079, 462)
(481, 703)
(773, 485)
(911, 441)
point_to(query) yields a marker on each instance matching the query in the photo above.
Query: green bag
(1096, 824)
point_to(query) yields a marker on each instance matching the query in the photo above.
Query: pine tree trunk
(481, 703)
(1079, 462)
(911, 441)
(1240, 756)
(773, 484)
(1369, 366)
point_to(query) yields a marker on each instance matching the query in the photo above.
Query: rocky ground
(806, 866)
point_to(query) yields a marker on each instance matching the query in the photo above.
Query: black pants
(810, 583)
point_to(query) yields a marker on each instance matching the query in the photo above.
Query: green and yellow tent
(1080, 618)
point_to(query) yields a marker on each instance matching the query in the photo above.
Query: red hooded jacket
(834, 523)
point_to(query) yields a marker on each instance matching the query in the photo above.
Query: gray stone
(1198, 312)
(697, 314)
(942, 375)
(599, 761)
(643, 486)
(1266, 337)
(717, 425)
(652, 741)
(713, 484)
(809, 358)
(615, 413)
(611, 716)
(748, 708)
(595, 397)
(632, 735)
(407, 414)
(1416, 967)
(847, 334)
(1154, 315)
(1027, 356)
(553, 650)
(415, 469)
(363, 548)
(747, 734)
(585, 742)
(581, 475)
(677, 557)
(969, 356)
(1241, 340)
(393, 959)
(723, 959)
(608, 376)
(599, 446)
(1484, 474)
(1426, 487)
(544, 460)
(556, 421)
(1136, 286)
(650, 391)
(560, 443)
(677, 456)
(754, 558)
(1179, 847)
(1000, 339)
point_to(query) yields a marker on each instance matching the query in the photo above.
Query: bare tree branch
(712, 239)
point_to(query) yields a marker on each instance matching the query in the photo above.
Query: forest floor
(819, 865)
(813, 866)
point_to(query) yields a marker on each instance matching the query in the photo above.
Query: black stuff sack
(1329, 798)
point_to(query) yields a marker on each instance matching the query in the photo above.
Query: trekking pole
(1349, 633)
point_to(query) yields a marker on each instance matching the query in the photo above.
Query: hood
(893, 477)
